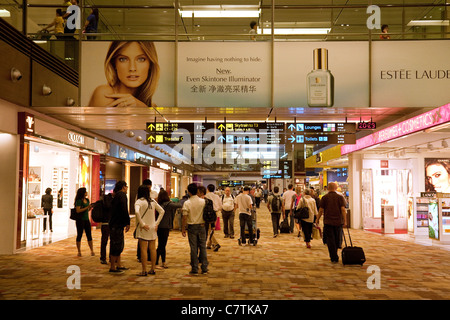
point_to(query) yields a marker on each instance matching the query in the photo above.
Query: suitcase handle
(350, 238)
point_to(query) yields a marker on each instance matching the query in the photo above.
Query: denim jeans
(275, 221)
(197, 241)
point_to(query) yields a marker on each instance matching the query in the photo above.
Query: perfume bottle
(320, 81)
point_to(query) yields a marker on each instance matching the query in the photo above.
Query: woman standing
(91, 24)
(165, 225)
(47, 205)
(146, 227)
(83, 206)
(307, 224)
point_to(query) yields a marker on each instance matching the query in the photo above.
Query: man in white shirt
(244, 205)
(211, 241)
(193, 218)
(288, 212)
(228, 207)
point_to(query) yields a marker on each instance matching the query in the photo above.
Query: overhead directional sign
(246, 126)
(176, 132)
(277, 169)
(321, 138)
(321, 127)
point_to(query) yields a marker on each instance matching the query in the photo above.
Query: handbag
(302, 212)
(316, 233)
(137, 226)
(73, 214)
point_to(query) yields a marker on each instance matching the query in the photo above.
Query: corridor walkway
(279, 268)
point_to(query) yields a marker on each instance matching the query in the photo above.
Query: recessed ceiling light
(439, 23)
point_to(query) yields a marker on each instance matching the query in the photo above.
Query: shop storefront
(399, 178)
(175, 183)
(57, 161)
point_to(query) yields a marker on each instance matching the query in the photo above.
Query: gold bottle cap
(320, 57)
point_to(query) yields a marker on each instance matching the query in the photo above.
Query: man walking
(288, 196)
(193, 219)
(211, 241)
(244, 205)
(120, 221)
(228, 207)
(332, 207)
(276, 207)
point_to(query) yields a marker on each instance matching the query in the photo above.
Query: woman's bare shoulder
(99, 98)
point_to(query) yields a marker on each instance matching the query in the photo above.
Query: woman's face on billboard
(132, 65)
(438, 176)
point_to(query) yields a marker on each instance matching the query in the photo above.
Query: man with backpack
(101, 213)
(276, 207)
(228, 207)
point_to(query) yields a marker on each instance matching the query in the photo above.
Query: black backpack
(276, 204)
(97, 211)
(209, 215)
(102, 208)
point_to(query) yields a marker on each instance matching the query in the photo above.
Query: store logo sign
(29, 121)
(76, 138)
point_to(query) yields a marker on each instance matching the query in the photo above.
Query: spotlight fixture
(430, 146)
(444, 144)
(46, 90)
(121, 130)
(70, 102)
(417, 150)
(130, 134)
(138, 138)
(16, 75)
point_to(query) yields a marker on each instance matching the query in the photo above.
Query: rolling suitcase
(284, 226)
(351, 254)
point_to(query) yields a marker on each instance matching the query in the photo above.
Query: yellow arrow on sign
(221, 127)
(151, 138)
(151, 126)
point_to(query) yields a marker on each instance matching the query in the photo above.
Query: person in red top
(384, 30)
(332, 207)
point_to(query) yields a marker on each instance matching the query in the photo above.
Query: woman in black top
(47, 205)
(165, 225)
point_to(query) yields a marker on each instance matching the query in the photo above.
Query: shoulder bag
(302, 212)
(137, 226)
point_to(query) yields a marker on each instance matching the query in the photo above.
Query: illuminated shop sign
(75, 137)
(424, 121)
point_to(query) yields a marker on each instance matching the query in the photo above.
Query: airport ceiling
(343, 16)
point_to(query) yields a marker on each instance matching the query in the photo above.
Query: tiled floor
(279, 268)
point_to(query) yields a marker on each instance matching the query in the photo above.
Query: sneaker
(217, 248)
(193, 273)
(205, 271)
(275, 235)
(103, 262)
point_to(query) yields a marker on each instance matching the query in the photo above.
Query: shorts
(117, 241)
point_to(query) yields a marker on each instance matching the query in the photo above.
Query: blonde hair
(145, 92)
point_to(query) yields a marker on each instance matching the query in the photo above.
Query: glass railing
(293, 20)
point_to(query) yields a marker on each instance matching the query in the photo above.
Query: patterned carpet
(279, 268)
